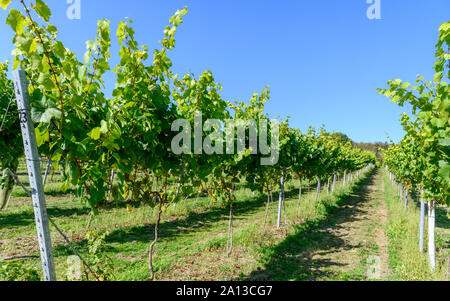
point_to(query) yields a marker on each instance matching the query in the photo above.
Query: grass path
(356, 238)
(340, 247)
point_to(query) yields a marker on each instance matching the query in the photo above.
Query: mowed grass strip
(406, 261)
(193, 234)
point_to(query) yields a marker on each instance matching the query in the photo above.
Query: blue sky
(323, 59)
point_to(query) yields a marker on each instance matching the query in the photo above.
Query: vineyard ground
(339, 246)
(402, 229)
(328, 240)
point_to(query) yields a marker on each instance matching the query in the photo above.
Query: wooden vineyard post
(34, 174)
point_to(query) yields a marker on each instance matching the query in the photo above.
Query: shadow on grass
(442, 218)
(173, 229)
(181, 226)
(442, 215)
(21, 219)
(443, 221)
(292, 259)
(25, 218)
(192, 222)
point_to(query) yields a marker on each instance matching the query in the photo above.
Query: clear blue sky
(323, 59)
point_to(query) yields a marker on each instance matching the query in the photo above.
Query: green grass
(406, 261)
(292, 258)
(192, 234)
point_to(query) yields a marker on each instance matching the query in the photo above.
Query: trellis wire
(56, 227)
(18, 182)
(6, 113)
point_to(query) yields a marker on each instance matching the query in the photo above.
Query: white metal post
(111, 181)
(422, 220)
(406, 198)
(334, 181)
(431, 240)
(47, 170)
(34, 174)
(280, 202)
(318, 188)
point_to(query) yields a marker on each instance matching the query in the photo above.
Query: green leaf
(35, 61)
(16, 63)
(72, 172)
(91, 45)
(45, 80)
(444, 170)
(81, 73)
(42, 137)
(87, 58)
(121, 31)
(104, 127)
(95, 133)
(59, 49)
(33, 46)
(25, 42)
(445, 141)
(76, 86)
(52, 30)
(16, 20)
(49, 114)
(43, 10)
(65, 186)
(4, 3)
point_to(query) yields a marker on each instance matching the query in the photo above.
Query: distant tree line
(375, 147)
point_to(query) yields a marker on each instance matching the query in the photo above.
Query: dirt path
(350, 244)
(356, 240)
